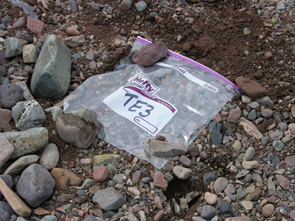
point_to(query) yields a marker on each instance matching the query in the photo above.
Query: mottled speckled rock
(13, 47)
(52, 72)
(65, 178)
(150, 54)
(166, 149)
(28, 141)
(105, 159)
(35, 185)
(10, 94)
(109, 199)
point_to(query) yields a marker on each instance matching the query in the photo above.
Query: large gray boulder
(52, 73)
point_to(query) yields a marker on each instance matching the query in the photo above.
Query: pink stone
(92, 65)
(230, 189)
(194, 151)
(72, 32)
(203, 155)
(100, 173)
(283, 181)
(292, 214)
(19, 23)
(159, 215)
(5, 117)
(159, 180)
(185, 161)
(217, 118)
(290, 160)
(136, 176)
(35, 25)
(234, 114)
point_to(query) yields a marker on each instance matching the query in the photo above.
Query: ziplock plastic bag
(176, 98)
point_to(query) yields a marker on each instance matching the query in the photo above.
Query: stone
(267, 113)
(125, 5)
(208, 212)
(234, 114)
(78, 127)
(185, 161)
(65, 178)
(13, 47)
(290, 160)
(14, 201)
(150, 54)
(237, 145)
(194, 151)
(20, 164)
(292, 128)
(249, 165)
(158, 202)
(250, 152)
(140, 6)
(26, 91)
(292, 214)
(182, 172)
(220, 184)
(108, 199)
(100, 173)
(55, 112)
(28, 114)
(3, 60)
(253, 195)
(49, 218)
(52, 72)
(208, 178)
(166, 149)
(90, 218)
(265, 101)
(28, 141)
(20, 72)
(248, 205)
(278, 145)
(92, 65)
(5, 211)
(90, 55)
(105, 159)
(254, 104)
(242, 173)
(73, 5)
(72, 31)
(268, 210)
(275, 134)
(75, 41)
(10, 94)
(215, 134)
(6, 149)
(190, 196)
(160, 214)
(230, 189)
(280, 5)
(34, 25)
(35, 185)
(252, 88)
(242, 218)
(19, 23)
(159, 180)
(134, 191)
(2, 71)
(136, 176)
(9, 180)
(119, 178)
(283, 181)
(29, 53)
(225, 207)
(50, 156)
(250, 128)
(210, 198)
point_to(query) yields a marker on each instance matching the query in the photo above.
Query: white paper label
(142, 108)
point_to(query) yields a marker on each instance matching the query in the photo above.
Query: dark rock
(208, 178)
(225, 207)
(10, 94)
(216, 135)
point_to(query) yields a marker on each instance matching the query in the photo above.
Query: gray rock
(267, 113)
(232, 197)
(280, 5)
(35, 185)
(241, 194)
(5, 211)
(6, 149)
(74, 41)
(264, 140)
(49, 218)
(278, 145)
(166, 149)
(271, 187)
(119, 178)
(55, 112)
(9, 182)
(50, 156)
(90, 218)
(220, 184)
(275, 134)
(140, 6)
(108, 199)
(78, 128)
(225, 207)
(52, 72)
(242, 173)
(95, 6)
(85, 183)
(73, 5)
(29, 53)
(26, 91)
(208, 178)
(10, 94)
(20, 164)
(265, 101)
(216, 135)
(2, 71)
(254, 104)
(208, 212)
(250, 152)
(13, 47)
(28, 114)
(26, 142)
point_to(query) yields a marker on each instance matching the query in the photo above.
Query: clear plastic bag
(176, 98)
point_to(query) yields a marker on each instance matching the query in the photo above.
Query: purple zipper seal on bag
(190, 61)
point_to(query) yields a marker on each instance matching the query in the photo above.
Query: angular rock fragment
(65, 178)
(166, 149)
(17, 166)
(250, 128)
(13, 47)
(29, 53)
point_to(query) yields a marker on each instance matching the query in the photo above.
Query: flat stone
(6, 149)
(34, 25)
(250, 152)
(158, 202)
(182, 172)
(185, 161)
(234, 114)
(20, 164)
(150, 54)
(5, 211)
(134, 191)
(100, 173)
(52, 72)
(230, 189)
(241, 218)
(14, 201)
(29, 53)
(65, 178)
(250, 128)
(283, 181)
(28, 141)
(252, 88)
(267, 113)
(119, 178)
(10, 94)
(28, 114)
(208, 212)
(74, 41)
(290, 160)
(280, 5)
(275, 134)
(13, 47)
(55, 112)
(248, 205)
(89, 55)
(105, 159)
(108, 199)
(35, 185)
(242, 173)
(249, 165)
(159, 180)
(220, 184)
(210, 198)
(50, 156)
(237, 145)
(208, 178)
(278, 145)
(78, 127)
(265, 101)
(225, 207)
(268, 210)
(166, 149)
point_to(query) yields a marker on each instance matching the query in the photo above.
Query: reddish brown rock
(150, 54)
(283, 181)
(35, 25)
(136, 176)
(72, 32)
(252, 88)
(159, 215)
(159, 180)
(160, 137)
(19, 23)
(100, 173)
(290, 161)
(5, 117)
(234, 114)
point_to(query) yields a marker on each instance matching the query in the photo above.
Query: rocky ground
(241, 166)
